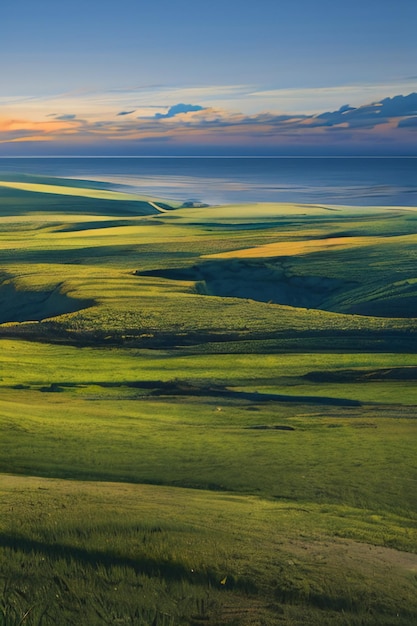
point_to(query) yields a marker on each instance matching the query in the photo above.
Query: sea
(350, 181)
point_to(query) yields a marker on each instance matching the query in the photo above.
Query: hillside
(207, 414)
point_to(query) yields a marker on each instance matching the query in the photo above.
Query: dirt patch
(345, 552)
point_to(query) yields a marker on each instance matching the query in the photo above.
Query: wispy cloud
(314, 99)
(249, 99)
(68, 117)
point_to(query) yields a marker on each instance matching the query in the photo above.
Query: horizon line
(200, 156)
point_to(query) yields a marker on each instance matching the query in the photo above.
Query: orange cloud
(27, 130)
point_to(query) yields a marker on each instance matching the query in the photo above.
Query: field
(207, 414)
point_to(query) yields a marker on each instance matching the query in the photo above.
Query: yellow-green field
(207, 415)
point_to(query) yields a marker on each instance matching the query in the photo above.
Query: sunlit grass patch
(100, 194)
(307, 246)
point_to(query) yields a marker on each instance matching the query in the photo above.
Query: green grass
(108, 548)
(192, 443)
(172, 455)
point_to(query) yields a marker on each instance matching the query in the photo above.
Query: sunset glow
(304, 81)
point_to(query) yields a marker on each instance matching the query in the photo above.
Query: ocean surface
(344, 181)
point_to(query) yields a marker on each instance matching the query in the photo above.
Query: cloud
(382, 122)
(400, 105)
(312, 100)
(66, 118)
(15, 135)
(408, 122)
(366, 116)
(177, 109)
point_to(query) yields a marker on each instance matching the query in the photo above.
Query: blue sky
(70, 68)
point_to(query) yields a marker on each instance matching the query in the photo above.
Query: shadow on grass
(365, 375)
(158, 388)
(20, 305)
(169, 570)
(23, 202)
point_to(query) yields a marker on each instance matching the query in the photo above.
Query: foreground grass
(138, 554)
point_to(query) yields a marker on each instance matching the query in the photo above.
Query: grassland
(207, 415)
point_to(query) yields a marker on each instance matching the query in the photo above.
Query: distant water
(348, 181)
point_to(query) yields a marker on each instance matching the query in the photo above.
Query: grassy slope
(110, 551)
(74, 255)
(290, 483)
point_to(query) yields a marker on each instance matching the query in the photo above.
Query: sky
(135, 77)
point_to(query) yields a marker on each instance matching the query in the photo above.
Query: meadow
(207, 414)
